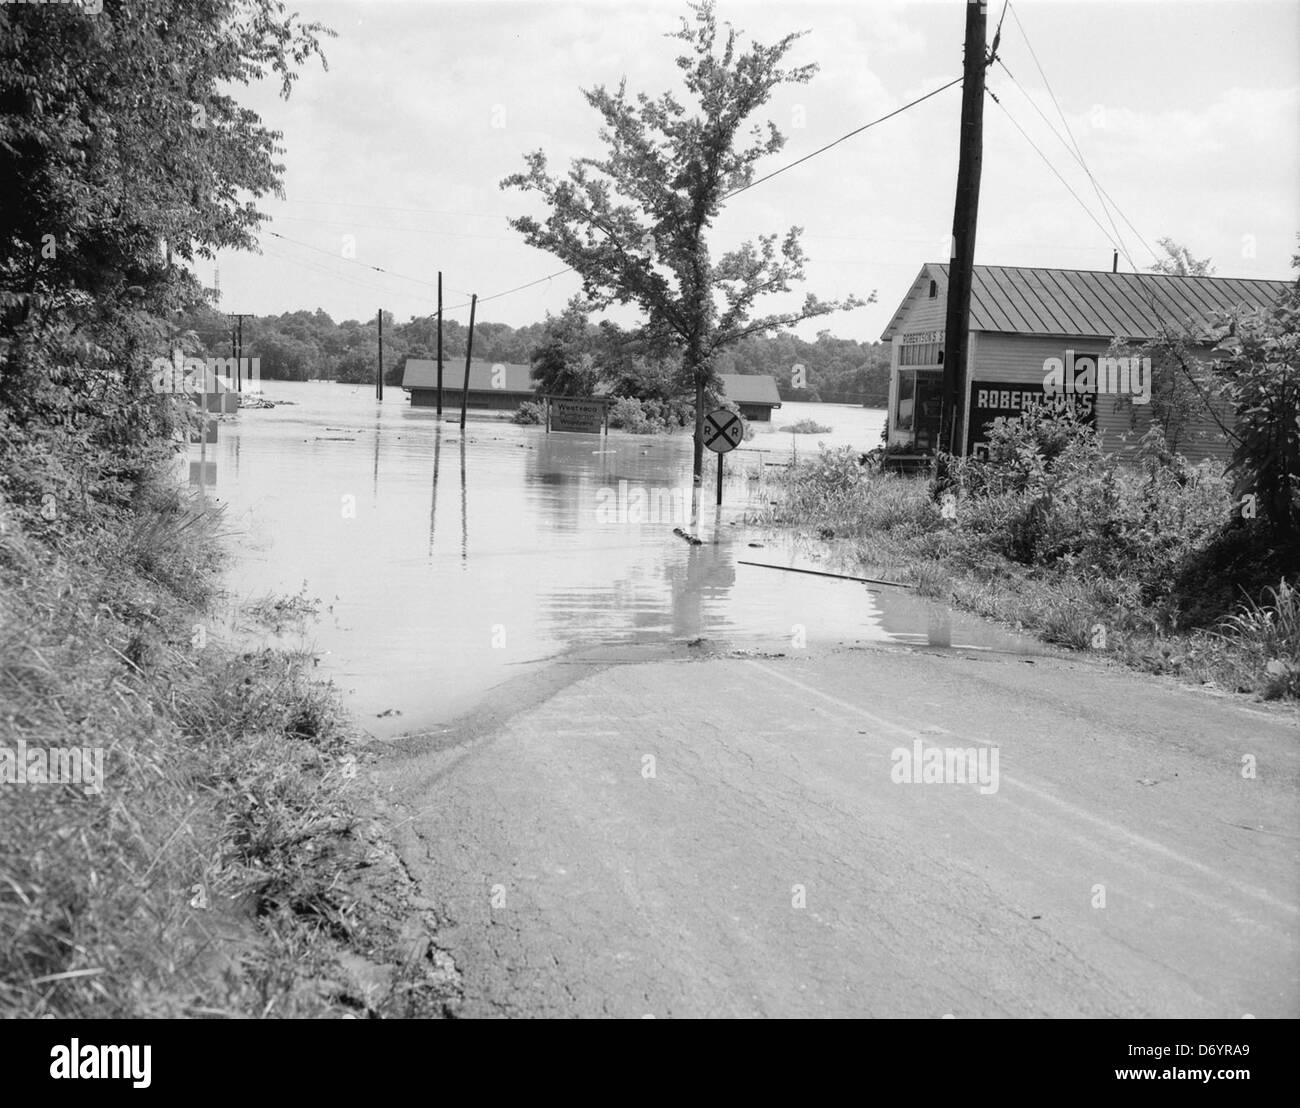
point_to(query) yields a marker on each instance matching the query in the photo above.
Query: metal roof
(422, 373)
(1022, 301)
(750, 388)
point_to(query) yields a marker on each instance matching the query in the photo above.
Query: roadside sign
(585, 415)
(723, 431)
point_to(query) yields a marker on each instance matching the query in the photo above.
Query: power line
(1160, 312)
(393, 208)
(354, 261)
(1057, 134)
(371, 286)
(842, 138)
(387, 291)
(391, 227)
(1047, 161)
(766, 177)
(1077, 152)
(517, 288)
(569, 269)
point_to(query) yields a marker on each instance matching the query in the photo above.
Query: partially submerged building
(494, 386)
(503, 386)
(1023, 322)
(754, 393)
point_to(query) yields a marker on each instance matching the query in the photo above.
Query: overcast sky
(1187, 114)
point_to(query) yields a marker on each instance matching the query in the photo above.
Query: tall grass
(1058, 538)
(215, 872)
(1265, 639)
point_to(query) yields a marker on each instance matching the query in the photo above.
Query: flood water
(445, 563)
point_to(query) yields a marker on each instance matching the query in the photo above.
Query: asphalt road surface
(727, 836)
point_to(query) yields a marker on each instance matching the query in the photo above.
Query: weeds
(1051, 535)
(217, 872)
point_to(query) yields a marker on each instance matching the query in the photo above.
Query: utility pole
(379, 370)
(965, 213)
(239, 318)
(440, 345)
(469, 350)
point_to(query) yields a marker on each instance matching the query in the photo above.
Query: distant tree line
(568, 352)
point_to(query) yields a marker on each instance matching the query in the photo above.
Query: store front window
(917, 410)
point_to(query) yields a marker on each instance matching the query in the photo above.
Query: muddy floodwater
(445, 563)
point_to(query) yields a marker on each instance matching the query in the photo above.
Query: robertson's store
(1027, 322)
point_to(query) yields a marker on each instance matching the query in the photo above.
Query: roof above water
(422, 373)
(1022, 301)
(750, 388)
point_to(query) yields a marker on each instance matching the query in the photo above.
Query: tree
(1179, 261)
(1260, 371)
(562, 361)
(633, 224)
(121, 148)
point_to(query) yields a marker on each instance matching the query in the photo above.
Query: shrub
(529, 412)
(834, 489)
(629, 414)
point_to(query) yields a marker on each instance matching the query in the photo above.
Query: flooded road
(724, 831)
(447, 563)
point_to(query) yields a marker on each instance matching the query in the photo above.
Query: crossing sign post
(723, 431)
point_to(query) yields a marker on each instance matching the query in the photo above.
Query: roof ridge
(1112, 273)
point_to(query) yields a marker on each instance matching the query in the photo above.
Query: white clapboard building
(1024, 323)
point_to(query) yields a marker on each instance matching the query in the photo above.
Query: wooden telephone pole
(379, 370)
(440, 345)
(469, 353)
(955, 387)
(237, 339)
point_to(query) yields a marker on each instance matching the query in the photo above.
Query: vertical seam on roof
(1020, 314)
(1093, 320)
(1207, 304)
(1161, 286)
(1122, 319)
(1002, 286)
(1052, 314)
(983, 299)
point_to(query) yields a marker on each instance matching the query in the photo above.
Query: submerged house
(755, 394)
(1033, 331)
(493, 386)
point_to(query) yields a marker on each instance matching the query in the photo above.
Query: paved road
(766, 863)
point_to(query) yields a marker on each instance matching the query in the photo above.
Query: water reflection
(433, 500)
(464, 505)
(574, 546)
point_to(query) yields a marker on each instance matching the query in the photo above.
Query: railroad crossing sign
(723, 431)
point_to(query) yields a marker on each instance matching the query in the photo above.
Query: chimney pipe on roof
(1114, 261)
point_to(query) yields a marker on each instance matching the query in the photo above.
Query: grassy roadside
(226, 863)
(1136, 565)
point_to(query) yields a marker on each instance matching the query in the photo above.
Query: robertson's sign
(990, 400)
